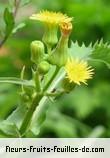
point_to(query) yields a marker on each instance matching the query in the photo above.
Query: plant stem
(17, 4)
(3, 41)
(34, 104)
(28, 116)
(36, 78)
(51, 79)
(55, 93)
(49, 49)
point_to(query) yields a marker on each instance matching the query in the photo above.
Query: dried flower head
(66, 28)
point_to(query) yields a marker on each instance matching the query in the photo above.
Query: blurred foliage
(84, 112)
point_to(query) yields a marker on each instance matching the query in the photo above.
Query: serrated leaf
(101, 52)
(14, 80)
(80, 52)
(9, 21)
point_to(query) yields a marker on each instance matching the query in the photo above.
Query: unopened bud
(43, 67)
(37, 51)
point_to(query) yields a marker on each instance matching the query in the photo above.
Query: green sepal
(50, 35)
(59, 55)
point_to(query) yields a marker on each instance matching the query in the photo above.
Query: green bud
(37, 51)
(67, 86)
(59, 55)
(43, 67)
(50, 35)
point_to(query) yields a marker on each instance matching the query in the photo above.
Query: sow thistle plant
(57, 69)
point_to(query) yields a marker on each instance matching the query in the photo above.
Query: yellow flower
(78, 71)
(50, 17)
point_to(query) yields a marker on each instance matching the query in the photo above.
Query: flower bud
(43, 67)
(50, 35)
(37, 51)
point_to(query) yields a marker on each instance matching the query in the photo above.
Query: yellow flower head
(50, 17)
(78, 71)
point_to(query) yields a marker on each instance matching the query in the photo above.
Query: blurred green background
(84, 112)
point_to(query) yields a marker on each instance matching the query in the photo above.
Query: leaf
(17, 116)
(18, 27)
(80, 52)
(37, 122)
(15, 80)
(9, 21)
(9, 129)
(101, 52)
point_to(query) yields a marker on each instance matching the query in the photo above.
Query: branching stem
(27, 119)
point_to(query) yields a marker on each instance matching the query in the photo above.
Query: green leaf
(18, 27)
(80, 52)
(15, 80)
(9, 129)
(9, 21)
(37, 122)
(17, 116)
(101, 52)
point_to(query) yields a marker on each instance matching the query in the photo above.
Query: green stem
(51, 79)
(49, 49)
(55, 93)
(42, 105)
(36, 77)
(28, 116)
(34, 104)
(4, 40)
